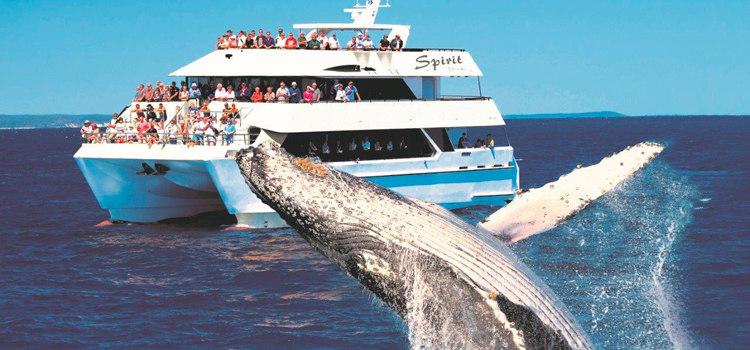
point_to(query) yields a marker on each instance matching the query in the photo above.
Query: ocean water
(662, 262)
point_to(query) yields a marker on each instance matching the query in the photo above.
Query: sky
(633, 57)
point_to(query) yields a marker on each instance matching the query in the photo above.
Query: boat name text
(424, 62)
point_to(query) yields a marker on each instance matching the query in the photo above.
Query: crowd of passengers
(488, 142)
(365, 150)
(148, 126)
(318, 41)
(282, 94)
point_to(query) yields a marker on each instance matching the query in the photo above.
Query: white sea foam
(622, 253)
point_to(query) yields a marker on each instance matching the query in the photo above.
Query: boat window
(408, 143)
(369, 89)
(441, 139)
(497, 133)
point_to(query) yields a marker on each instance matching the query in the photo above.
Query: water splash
(443, 313)
(615, 264)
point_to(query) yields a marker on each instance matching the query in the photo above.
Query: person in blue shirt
(294, 94)
(229, 131)
(365, 152)
(352, 92)
(194, 91)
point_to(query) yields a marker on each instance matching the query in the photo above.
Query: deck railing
(185, 139)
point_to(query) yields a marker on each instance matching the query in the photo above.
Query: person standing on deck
(397, 44)
(352, 92)
(463, 142)
(294, 93)
(489, 142)
(316, 93)
(282, 94)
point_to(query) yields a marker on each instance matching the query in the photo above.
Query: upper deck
(278, 60)
(332, 63)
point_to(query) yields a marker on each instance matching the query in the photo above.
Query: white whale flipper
(542, 209)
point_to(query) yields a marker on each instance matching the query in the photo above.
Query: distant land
(49, 121)
(602, 114)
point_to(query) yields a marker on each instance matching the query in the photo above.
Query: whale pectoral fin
(542, 209)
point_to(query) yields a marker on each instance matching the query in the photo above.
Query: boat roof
(369, 115)
(323, 63)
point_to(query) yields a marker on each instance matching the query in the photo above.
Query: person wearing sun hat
(194, 91)
(294, 93)
(86, 131)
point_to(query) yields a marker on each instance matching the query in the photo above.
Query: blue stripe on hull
(464, 176)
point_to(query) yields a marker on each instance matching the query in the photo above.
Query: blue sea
(663, 262)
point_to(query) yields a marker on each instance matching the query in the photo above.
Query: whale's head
(309, 195)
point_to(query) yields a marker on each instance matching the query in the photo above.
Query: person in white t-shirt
(323, 39)
(230, 96)
(341, 94)
(210, 133)
(367, 44)
(220, 94)
(333, 43)
(280, 39)
(173, 130)
(241, 39)
(352, 45)
(199, 128)
(86, 131)
(113, 121)
(282, 94)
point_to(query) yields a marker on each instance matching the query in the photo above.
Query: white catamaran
(414, 131)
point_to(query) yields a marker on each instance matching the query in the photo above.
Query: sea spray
(614, 264)
(442, 315)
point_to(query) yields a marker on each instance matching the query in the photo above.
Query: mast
(365, 14)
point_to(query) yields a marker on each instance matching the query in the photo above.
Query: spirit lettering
(424, 62)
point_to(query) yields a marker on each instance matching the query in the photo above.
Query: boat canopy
(352, 116)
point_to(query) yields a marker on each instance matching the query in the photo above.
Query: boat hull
(206, 179)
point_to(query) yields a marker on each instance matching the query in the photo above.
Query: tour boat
(401, 101)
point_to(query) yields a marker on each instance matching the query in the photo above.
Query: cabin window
(498, 134)
(369, 89)
(408, 143)
(441, 139)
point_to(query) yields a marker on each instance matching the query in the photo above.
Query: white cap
(294, 83)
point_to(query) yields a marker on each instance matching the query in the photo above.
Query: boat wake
(615, 265)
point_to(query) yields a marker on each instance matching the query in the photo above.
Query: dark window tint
(441, 139)
(408, 143)
(369, 89)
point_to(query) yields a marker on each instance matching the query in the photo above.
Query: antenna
(365, 14)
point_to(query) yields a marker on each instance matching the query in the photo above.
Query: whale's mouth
(245, 158)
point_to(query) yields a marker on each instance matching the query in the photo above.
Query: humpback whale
(440, 274)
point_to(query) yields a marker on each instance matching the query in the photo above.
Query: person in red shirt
(141, 128)
(257, 95)
(291, 42)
